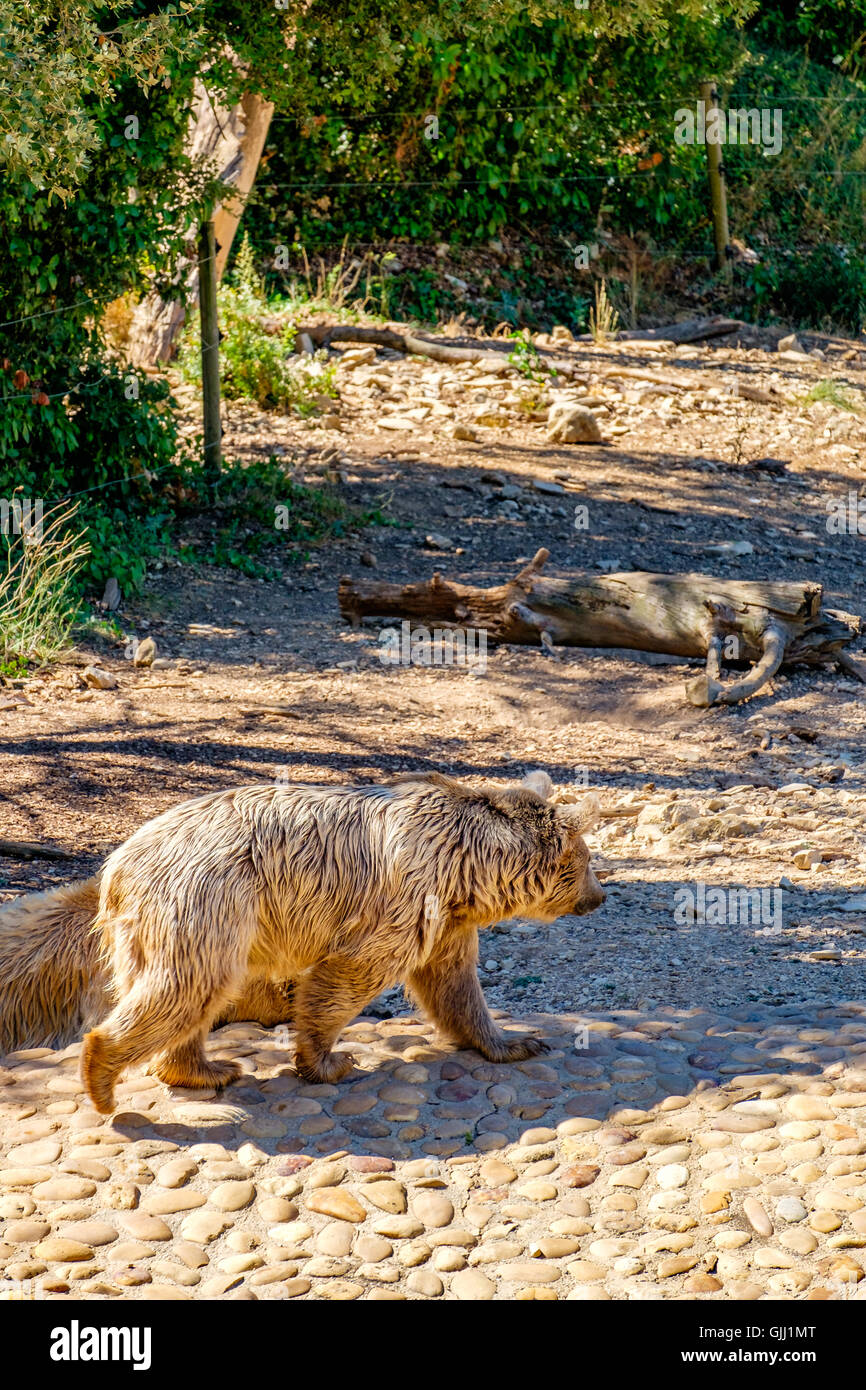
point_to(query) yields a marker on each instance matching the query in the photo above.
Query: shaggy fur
(344, 891)
(53, 981)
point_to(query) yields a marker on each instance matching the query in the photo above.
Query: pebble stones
(757, 1217)
(611, 1173)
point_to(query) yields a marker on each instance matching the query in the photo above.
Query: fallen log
(324, 334)
(28, 849)
(737, 388)
(689, 331)
(490, 353)
(763, 623)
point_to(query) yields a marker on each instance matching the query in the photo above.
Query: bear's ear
(538, 782)
(582, 816)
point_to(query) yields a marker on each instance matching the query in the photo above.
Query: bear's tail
(52, 981)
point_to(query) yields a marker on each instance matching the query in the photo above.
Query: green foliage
(519, 125)
(830, 32)
(256, 363)
(108, 197)
(835, 393)
(14, 666)
(820, 288)
(258, 514)
(546, 131)
(811, 194)
(416, 294)
(61, 62)
(526, 358)
(107, 446)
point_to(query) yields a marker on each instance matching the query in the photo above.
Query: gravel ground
(697, 804)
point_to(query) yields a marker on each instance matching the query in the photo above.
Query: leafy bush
(527, 359)
(110, 442)
(541, 133)
(824, 288)
(255, 363)
(538, 124)
(831, 33)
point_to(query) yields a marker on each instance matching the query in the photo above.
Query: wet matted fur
(344, 891)
(53, 980)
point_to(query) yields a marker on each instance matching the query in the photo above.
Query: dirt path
(83, 768)
(697, 1140)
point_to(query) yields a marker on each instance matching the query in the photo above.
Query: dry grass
(37, 599)
(603, 318)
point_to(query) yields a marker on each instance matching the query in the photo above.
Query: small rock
(677, 1264)
(702, 1283)
(425, 1282)
(579, 1175)
(335, 1201)
(804, 1107)
(757, 1217)
(357, 357)
(398, 1227)
(553, 489)
(99, 679)
(387, 1196)
(808, 858)
(90, 1232)
(111, 595)
(472, 1286)
(232, 1196)
(201, 1227)
(433, 1209)
(176, 1172)
(41, 1152)
(167, 1203)
(25, 1232)
(145, 652)
(790, 1209)
(632, 1176)
(672, 1175)
(56, 1248)
(363, 1163)
(572, 424)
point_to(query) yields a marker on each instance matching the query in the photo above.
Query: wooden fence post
(718, 188)
(210, 358)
